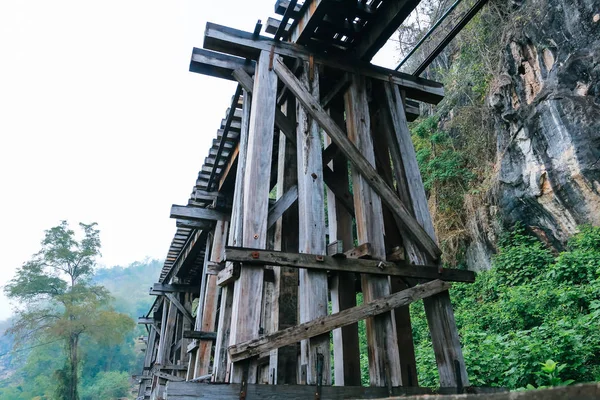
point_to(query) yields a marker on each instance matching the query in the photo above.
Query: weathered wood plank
(389, 17)
(283, 362)
(168, 377)
(209, 315)
(197, 213)
(229, 274)
(355, 265)
(288, 127)
(327, 323)
(193, 391)
(218, 65)
(166, 336)
(311, 226)
(281, 205)
(361, 164)
(395, 252)
(174, 288)
(438, 309)
(384, 360)
(175, 301)
(246, 44)
(221, 362)
(247, 297)
(346, 350)
(200, 335)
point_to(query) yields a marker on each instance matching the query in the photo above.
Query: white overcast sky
(100, 120)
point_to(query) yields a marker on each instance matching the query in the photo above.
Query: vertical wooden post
(346, 351)
(201, 303)
(163, 330)
(384, 363)
(210, 302)
(166, 341)
(283, 361)
(186, 326)
(393, 239)
(221, 365)
(248, 288)
(438, 308)
(313, 284)
(150, 348)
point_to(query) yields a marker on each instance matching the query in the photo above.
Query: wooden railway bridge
(310, 193)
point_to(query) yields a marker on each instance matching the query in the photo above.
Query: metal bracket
(320, 362)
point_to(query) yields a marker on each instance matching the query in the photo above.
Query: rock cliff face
(546, 104)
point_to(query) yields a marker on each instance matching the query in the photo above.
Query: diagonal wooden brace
(325, 324)
(362, 165)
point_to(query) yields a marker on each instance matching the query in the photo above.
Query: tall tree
(57, 301)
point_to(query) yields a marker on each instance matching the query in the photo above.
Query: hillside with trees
(93, 309)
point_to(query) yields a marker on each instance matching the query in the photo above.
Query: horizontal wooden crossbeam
(197, 213)
(202, 225)
(200, 335)
(175, 288)
(322, 325)
(358, 161)
(218, 65)
(357, 265)
(247, 45)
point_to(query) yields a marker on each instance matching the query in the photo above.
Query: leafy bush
(529, 308)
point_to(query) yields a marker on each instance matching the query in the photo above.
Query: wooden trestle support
(255, 286)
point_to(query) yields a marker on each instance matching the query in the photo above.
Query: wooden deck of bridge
(248, 281)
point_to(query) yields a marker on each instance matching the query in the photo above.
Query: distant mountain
(130, 285)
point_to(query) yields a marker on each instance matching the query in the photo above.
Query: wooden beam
(283, 362)
(346, 348)
(200, 335)
(145, 321)
(438, 309)
(311, 226)
(197, 213)
(193, 390)
(209, 303)
(359, 162)
(166, 334)
(355, 265)
(281, 205)
(384, 361)
(325, 324)
(175, 288)
(389, 17)
(247, 297)
(169, 377)
(288, 127)
(175, 301)
(245, 44)
(218, 65)
(221, 365)
(289, 12)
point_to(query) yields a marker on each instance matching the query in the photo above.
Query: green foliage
(443, 169)
(59, 304)
(520, 257)
(30, 372)
(107, 386)
(525, 310)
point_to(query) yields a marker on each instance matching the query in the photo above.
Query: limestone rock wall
(546, 103)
